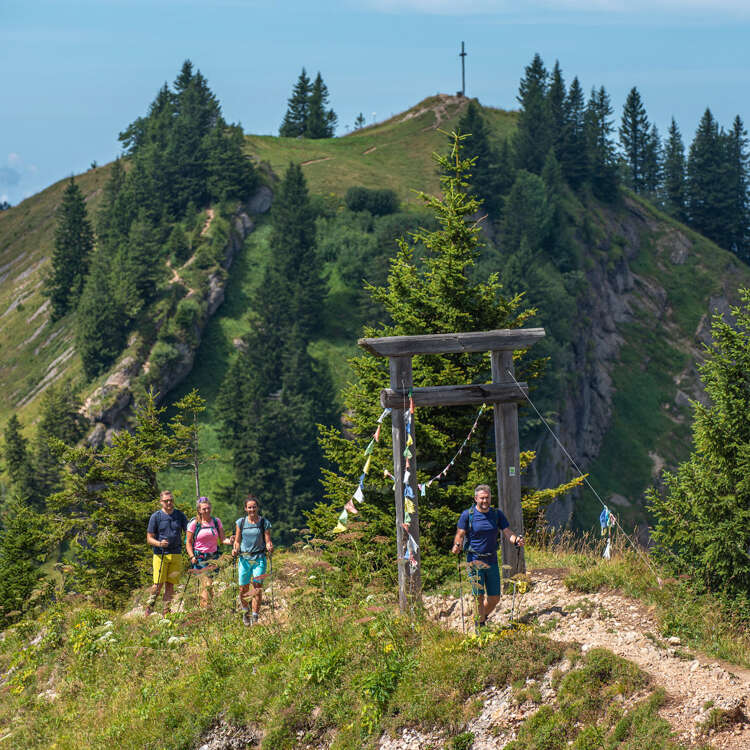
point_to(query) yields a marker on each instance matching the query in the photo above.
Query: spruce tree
(707, 195)
(653, 163)
(556, 98)
(321, 122)
(703, 515)
(429, 290)
(294, 124)
(573, 149)
(230, 175)
(17, 460)
(484, 179)
(634, 136)
(74, 240)
(738, 230)
(60, 420)
(534, 135)
(100, 321)
(108, 226)
(600, 152)
(359, 123)
(674, 174)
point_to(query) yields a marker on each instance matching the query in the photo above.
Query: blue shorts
(485, 578)
(251, 569)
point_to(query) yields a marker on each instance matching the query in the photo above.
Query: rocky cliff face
(109, 407)
(624, 293)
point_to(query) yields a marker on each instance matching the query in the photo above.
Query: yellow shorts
(167, 568)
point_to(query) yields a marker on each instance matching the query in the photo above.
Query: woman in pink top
(204, 534)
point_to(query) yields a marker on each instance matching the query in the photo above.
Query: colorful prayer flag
(359, 495)
(409, 506)
(344, 516)
(370, 448)
(339, 528)
(408, 491)
(407, 517)
(377, 433)
(366, 468)
(351, 507)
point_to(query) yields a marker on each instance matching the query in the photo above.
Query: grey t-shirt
(252, 541)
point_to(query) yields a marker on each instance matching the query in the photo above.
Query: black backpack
(494, 519)
(263, 529)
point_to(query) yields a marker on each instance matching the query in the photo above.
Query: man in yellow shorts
(164, 534)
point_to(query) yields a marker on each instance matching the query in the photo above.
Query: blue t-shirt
(162, 525)
(484, 532)
(252, 541)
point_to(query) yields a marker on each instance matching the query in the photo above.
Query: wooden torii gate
(502, 393)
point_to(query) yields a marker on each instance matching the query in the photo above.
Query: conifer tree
(74, 240)
(108, 223)
(294, 124)
(707, 195)
(484, 180)
(17, 461)
(100, 321)
(230, 174)
(321, 122)
(674, 174)
(634, 139)
(738, 230)
(59, 420)
(600, 156)
(573, 150)
(106, 502)
(534, 136)
(359, 123)
(703, 516)
(429, 291)
(556, 98)
(653, 163)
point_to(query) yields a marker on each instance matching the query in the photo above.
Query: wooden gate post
(409, 578)
(507, 462)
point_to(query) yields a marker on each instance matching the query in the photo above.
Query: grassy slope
(32, 349)
(340, 668)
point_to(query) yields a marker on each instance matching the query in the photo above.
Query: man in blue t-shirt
(481, 526)
(164, 534)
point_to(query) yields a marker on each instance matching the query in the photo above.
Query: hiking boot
(256, 617)
(246, 619)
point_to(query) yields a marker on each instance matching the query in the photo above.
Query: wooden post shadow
(502, 393)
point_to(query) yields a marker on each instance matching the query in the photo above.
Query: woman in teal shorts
(252, 542)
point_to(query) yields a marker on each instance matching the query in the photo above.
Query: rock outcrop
(109, 407)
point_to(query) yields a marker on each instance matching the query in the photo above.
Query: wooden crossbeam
(455, 395)
(452, 343)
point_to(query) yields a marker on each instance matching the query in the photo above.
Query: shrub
(377, 202)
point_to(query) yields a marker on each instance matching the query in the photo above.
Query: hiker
(252, 542)
(478, 532)
(204, 534)
(164, 534)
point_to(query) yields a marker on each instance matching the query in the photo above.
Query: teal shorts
(251, 569)
(485, 578)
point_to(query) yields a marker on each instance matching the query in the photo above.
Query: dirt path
(694, 683)
(315, 161)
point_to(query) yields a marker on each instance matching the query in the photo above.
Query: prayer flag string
(350, 508)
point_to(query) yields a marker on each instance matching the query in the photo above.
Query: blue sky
(76, 72)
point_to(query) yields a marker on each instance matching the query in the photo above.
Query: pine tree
(707, 198)
(484, 179)
(100, 322)
(17, 461)
(298, 109)
(703, 516)
(674, 173)
(634, 139)
(429, 290)
(321, 122)
(108, 227)
(74, 240)
(600, 153)
(573, 150)
(534, 136)
(359, 123)
(230, 174)
(738, 230)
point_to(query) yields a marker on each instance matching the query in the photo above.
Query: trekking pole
(270, 570)
(184, 591)
(461, 594)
